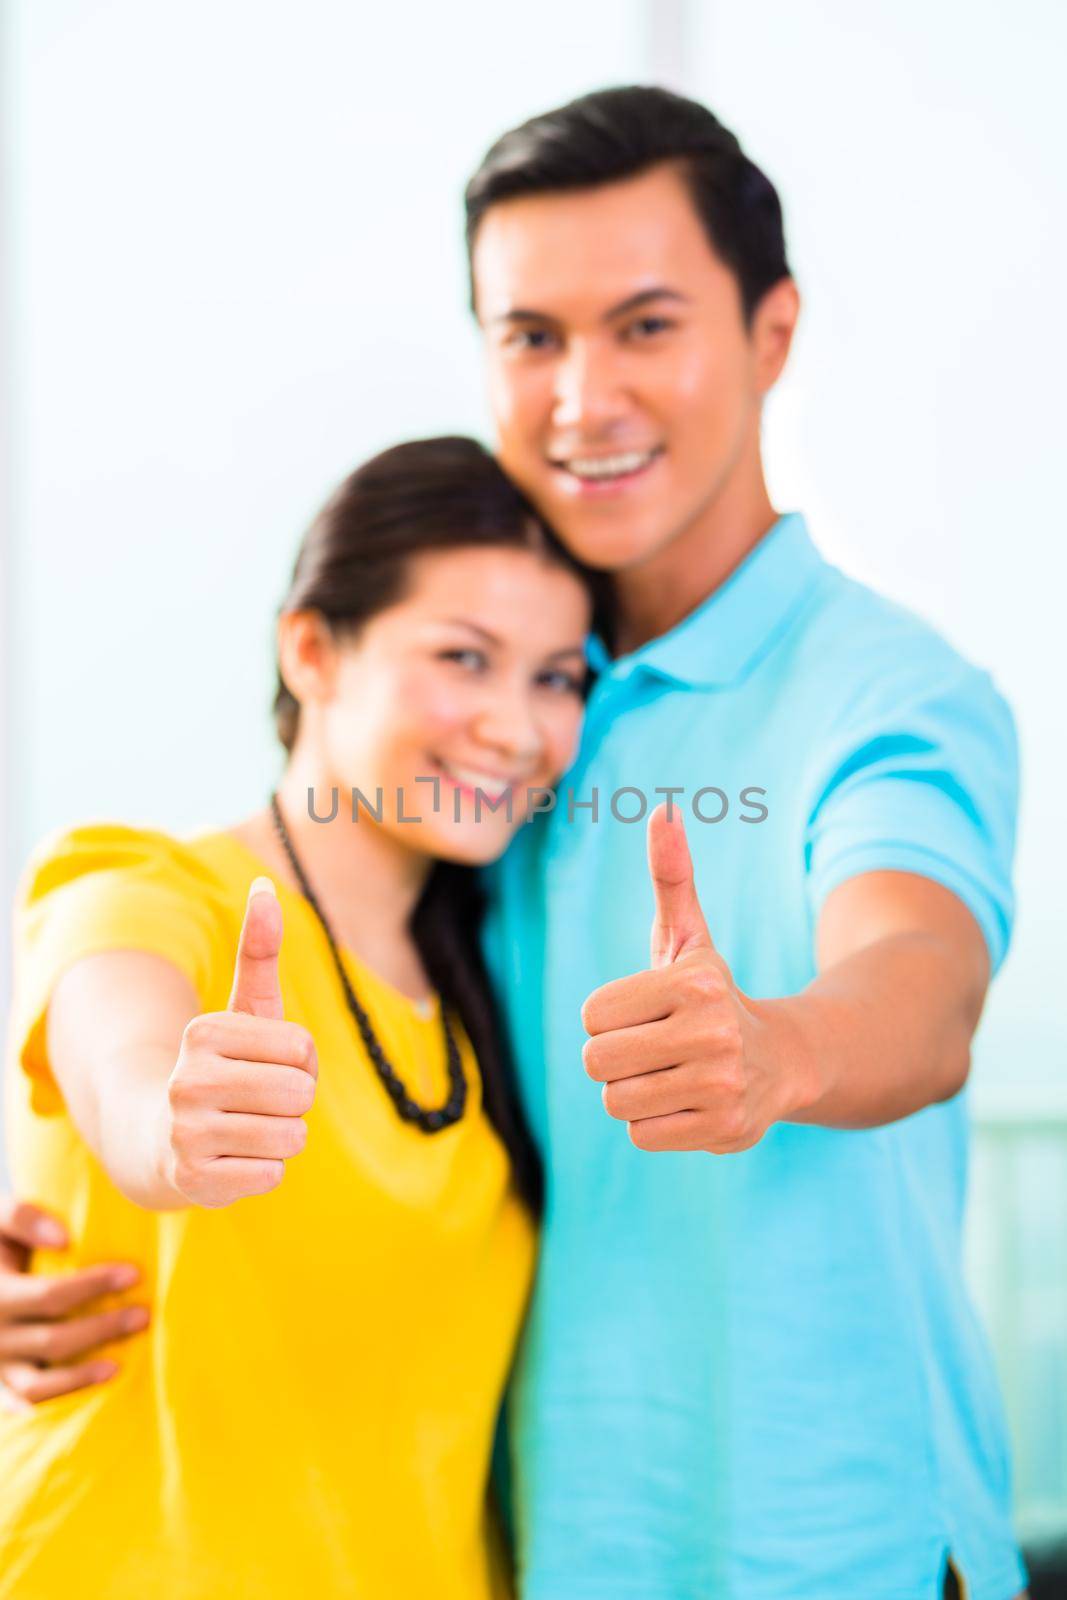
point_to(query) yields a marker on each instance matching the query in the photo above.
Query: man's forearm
(691, 1062)
(878, 1036)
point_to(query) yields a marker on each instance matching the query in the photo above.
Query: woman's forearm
(115, 1026)
(185, 1107)
(131, 1136)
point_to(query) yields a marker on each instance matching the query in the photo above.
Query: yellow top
(312, 1409)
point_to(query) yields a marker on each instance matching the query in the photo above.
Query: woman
(312, 1409)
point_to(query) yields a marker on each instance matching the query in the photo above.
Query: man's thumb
(678, 923)
(255, 980)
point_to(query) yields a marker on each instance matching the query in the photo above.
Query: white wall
(233, 235)
(236, 247)
(234, 240)
(920, 147)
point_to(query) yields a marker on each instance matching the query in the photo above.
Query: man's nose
(587, 390)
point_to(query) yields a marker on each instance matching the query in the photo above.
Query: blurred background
(232, 266)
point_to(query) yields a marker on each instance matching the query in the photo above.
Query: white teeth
(609, 466)
(492, 788)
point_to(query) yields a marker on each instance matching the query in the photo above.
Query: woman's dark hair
(618, 133)
(355, 560)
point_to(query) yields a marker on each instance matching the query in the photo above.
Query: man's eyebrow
(632, 302)
(644, 297)
(521, 314)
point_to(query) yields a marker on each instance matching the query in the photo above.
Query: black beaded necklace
(430, 1121)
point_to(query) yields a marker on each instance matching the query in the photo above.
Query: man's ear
(306, 655)
(773, 325)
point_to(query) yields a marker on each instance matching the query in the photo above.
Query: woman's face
(455, 702)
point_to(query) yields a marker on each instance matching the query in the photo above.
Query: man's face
(625, 385)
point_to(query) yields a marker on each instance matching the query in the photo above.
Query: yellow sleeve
(107, 887)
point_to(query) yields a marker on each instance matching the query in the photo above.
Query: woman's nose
(507, 725)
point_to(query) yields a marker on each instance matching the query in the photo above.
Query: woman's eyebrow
(473, 627)
(577, 649)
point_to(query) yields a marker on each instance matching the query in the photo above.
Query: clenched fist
(679, 1049)
(244, 1080)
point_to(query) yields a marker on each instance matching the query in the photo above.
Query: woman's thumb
(256, 989)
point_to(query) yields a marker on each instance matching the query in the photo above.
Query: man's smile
(585, 471)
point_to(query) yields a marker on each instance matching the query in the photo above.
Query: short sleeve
(922, 778)
(97, 888)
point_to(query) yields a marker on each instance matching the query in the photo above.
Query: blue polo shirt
(757, 1376)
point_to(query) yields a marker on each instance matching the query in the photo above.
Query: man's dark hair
(618, 133)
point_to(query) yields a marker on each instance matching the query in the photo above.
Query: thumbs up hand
(244, 1078)
(677, 1048)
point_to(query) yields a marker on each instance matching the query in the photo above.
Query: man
(750, 1369)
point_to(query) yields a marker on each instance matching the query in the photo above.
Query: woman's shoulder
(110, 885)
(107, 886)
(121, 852)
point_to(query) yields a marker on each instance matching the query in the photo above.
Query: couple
(748, 1366)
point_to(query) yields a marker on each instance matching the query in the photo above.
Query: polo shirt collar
(728, 633)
